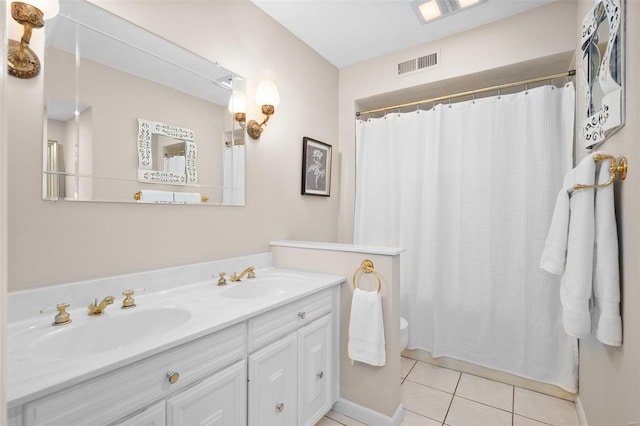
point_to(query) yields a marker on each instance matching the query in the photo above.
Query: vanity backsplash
(26, 304)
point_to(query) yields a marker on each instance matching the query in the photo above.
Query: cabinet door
(218, 400)
(154, 415)
(314, 371)
(273, 384)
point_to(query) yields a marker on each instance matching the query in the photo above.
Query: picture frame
(316, 167)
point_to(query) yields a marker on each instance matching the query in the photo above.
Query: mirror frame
(603, 120)
(146, 173)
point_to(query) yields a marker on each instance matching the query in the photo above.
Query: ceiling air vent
(418, 64)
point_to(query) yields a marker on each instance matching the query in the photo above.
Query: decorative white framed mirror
(166, 154)
(602, 73)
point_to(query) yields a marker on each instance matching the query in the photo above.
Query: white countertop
(33, 374)
(351, 248)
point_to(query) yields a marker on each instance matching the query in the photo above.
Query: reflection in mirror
(102, 74)
(602, 73)
(166, 154)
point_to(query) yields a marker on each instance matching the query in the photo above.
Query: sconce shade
(49, 8)
(267, 94)
(237, 103)
(268, 98)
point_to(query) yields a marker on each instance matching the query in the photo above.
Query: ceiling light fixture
(430, 10)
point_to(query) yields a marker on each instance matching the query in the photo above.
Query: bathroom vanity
(258, 351)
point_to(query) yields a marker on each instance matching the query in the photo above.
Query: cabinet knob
(302, 315)
(280, 407)
(320, 375)
(173, 376)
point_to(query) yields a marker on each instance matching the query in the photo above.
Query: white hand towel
(366, 328)
(569, 248)
(187, 197)
(179, 165)
(607, 324)
(153, 196)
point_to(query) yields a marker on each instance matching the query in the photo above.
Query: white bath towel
(578, 228)
(366, 328)
(607, 323)
(187, 197)
(153, 196)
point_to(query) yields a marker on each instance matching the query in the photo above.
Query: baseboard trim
(581, 414)
(367, 415)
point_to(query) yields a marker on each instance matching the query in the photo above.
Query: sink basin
(261, 287)
(108, 332)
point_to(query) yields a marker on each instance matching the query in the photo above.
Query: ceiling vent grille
(418, 64)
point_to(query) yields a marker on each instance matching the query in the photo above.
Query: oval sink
(259, 287)
(106, 333)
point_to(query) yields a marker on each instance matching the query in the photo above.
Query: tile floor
(435, 396)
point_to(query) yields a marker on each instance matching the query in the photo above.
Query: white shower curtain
(233, 175)
(468, 189)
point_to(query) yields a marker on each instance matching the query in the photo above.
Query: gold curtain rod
(569, 73)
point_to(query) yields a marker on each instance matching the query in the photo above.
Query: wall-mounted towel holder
(367, 267)
(138, 196)
(615, 169)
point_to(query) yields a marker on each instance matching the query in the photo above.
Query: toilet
(404, 333)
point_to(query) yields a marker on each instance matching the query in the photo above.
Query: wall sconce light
(268, 98)
(23, 62)
(237, 107)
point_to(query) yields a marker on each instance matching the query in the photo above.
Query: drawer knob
(173, 376)
(280, 407)
(320, 375)
(302, 315)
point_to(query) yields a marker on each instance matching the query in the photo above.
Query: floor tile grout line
(513, 405)
(485, 404)
(431, 387)
(422, 415)
(452, 398)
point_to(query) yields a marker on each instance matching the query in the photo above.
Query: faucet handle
(222, 280)
(62, 317)
(128, 301)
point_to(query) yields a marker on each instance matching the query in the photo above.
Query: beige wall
(376, 388)
(610, 377)
(54, 243)
(495, 53)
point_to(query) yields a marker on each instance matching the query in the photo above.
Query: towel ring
(367, 267)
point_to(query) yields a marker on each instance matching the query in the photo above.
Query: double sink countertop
(43, 358)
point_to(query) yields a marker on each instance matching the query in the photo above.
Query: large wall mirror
(602, 72)
(107, 82)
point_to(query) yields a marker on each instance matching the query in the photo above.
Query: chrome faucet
(98, 309)
(248, 272)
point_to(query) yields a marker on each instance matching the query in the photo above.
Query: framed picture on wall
(316, 167)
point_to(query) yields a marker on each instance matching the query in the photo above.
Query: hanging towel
(366, 328)
(187, 197)
(578, 227)
(153, 196)
(607, 323)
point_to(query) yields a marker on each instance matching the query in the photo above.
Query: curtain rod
(569, 73)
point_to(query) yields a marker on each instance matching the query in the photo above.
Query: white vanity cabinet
(219, 400)
(155, 415)
(274, 366)
(291, 379)
(113, 396)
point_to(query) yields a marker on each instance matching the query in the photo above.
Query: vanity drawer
(271, 325)
(107, 398)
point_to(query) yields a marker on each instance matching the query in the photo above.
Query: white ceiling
(346, 32)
